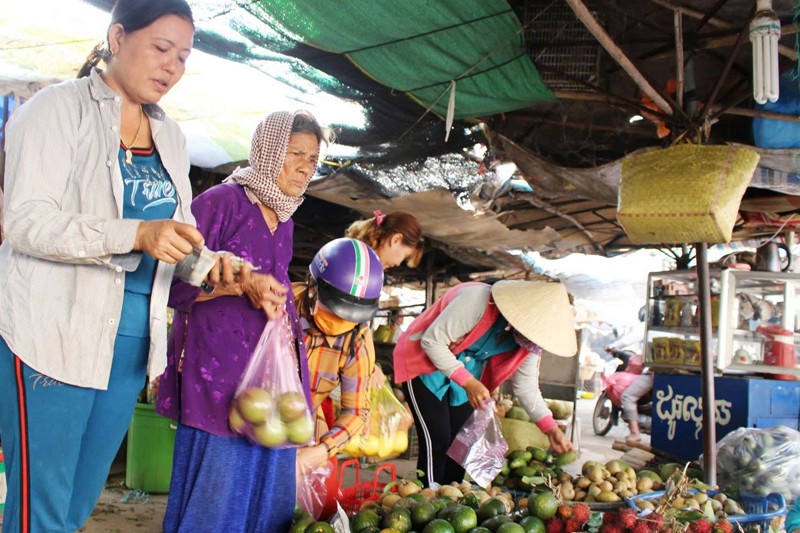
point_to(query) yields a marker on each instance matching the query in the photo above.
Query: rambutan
(723, 526)
(564, 511)
(572, 525)
(640, 527)
(657, 522)
(610, 518)
(627, 518)
(583, 513)
(554, 525)
(610, 528)
(700, 526)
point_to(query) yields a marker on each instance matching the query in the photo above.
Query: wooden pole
(619, 56)
(783, 50)
(679, 55)
(757, 113)
(725, 71)
(707, 366)
(582, 125)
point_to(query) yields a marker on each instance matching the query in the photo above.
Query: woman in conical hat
(468, 343)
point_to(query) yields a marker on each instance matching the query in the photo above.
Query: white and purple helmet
(349, 277)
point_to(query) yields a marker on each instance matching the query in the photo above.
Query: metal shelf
(667, 366)
(763, 369)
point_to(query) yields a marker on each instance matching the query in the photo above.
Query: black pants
(437, 424)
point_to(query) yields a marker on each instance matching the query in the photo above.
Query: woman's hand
(265, 292)
(476, 392)
(377, 379)
(559, 441)
(167, 240)
(313, 455)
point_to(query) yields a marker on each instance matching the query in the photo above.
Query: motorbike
(608, 409)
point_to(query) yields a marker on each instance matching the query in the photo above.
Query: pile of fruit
(627, 521)
(271, 421)
(720, 504)
(525, 468)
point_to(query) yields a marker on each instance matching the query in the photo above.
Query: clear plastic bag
(269, 407)
(480, 447)
(386, 431)
(312, 491)
(761, 461)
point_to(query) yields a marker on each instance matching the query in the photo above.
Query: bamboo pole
(679, 55)
(757, 113)
(783, 50)
(707, 366)
(619, 56)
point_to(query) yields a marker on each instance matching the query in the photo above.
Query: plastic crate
(756, 507)
(352, 498)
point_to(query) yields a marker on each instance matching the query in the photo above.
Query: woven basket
(687, 193)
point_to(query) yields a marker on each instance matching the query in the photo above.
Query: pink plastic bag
(312, 490)
(617, 383)
(480, 446)
(270, 408)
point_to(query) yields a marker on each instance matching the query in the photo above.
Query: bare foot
(635, 438)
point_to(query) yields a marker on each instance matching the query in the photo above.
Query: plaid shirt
(335, 360)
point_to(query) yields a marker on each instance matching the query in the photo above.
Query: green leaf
(389, 487)
(420, 473)
(691, 516)
(418, 483)
(699, 485)
(732, 492)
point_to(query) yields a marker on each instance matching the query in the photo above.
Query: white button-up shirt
(66, 242)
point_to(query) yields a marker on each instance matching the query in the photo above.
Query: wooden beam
(783, 50)
(723, 42)
(679, 56)
(582, 125)
(757, 113)
(725, 71)
(541, 204)
(619, 56)
(708, 16)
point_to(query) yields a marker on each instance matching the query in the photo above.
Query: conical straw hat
(540, 311)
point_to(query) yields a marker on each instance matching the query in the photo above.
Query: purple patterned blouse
(222, 333)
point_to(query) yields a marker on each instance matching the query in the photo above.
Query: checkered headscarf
(267, 154)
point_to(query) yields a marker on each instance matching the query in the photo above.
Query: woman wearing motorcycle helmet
(335, 308)
(468, 343)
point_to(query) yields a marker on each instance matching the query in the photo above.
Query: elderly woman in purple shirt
(221, 482)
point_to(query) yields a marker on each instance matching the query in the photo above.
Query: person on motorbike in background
(639, 388)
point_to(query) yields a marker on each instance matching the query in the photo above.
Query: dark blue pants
(59, 440)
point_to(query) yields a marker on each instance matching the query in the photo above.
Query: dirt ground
(123, 511)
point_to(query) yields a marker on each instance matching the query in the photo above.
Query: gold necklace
(128, 153)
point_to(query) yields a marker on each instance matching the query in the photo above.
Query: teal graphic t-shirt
(149, 195)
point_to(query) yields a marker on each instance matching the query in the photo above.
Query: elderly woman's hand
(264, 292)
(559, 441)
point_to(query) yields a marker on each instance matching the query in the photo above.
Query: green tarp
(418, 47)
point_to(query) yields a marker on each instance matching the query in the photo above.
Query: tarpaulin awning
(419, 47)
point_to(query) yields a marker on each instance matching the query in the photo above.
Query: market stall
(753, 319)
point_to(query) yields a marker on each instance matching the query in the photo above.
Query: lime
(491, 508)
(531, 524)
(422, 514)
(438, 526)
(363, 520)
(543, 505)
(463, 519)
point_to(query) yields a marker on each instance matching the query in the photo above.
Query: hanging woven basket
(687, 193)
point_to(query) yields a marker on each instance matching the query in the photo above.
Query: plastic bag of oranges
(269, 408)
(386, 431)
